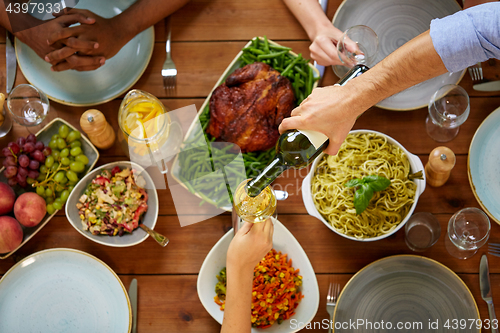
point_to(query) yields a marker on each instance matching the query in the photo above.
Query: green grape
(41, 177)
(59, 188)
(30, 181)
(75, 151)
(49, 161)
(48, 192)
(51, 209)
(64, 195)
(70, 188)
(82, 158)
(75, 144)
(59, 176)
(56, 154)
(72, 176)
(63, 131)
(49, 200)
(65, 161)
(40, 190)
(43, 169)
(55, 137)
(57, 205)
(72, 183)
(53, 144)
(65, 152)
(54, 167)
(77, 166)
(73, 135)
(63, 181)
(61, 144)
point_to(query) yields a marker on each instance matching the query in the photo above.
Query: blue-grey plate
(63, 290)
(138, 235)
(396, 22)
(75, 88)
(483, 165)
(406, 290)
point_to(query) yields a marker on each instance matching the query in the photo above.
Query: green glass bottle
(294, 148)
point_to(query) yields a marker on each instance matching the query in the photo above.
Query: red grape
(14, 147)
(12, 181)
(10, 171)
(28, 147)
(6, 152)
(21, 141)
(31, 138)
(33, 174)
(23, 172)
(9, 161)
(21, 180)
(38, 156)
(34, 166)
(23, 160)
(47, 151)
(39, 145)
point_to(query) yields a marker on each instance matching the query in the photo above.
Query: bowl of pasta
(336, 185)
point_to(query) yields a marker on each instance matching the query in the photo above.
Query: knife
(487, 86)
(132, 294)
(484, 284)
(10, 56)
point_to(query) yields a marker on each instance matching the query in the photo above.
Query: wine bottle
(295, 148)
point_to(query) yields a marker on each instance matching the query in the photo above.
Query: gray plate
(396, 22)
(406, 289)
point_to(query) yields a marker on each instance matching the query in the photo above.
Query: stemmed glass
(468, 230)
(448, 109)
(27, 105)
(358, 45)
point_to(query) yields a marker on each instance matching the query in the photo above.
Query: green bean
(279, 47)
(290, 66)
(266, 45)
(309, 82)
(254, 50)
(300, 70)
(270, 55)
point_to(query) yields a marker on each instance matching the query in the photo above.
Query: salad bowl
(127, 239)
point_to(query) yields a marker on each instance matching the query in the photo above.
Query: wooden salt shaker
(438, 169)
(100, 133)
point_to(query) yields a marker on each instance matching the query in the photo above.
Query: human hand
(324, 46)
(329, 110)
(250, 244)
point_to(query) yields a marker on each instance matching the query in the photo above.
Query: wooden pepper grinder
(438, 169)
(97, 128)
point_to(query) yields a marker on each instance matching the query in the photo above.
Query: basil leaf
(380, 184)
(362, 198)
(371, 178)
(353, 182)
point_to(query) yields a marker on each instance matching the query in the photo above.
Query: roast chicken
(248, 108)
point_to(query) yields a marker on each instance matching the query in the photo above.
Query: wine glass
(358, 45)
(468, 230)
(27, 105)
(448, 109)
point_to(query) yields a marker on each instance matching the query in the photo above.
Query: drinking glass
(468, 230)
(422, 231)
(27, 105)
(254, 209)
(358, 45)
(448, 109)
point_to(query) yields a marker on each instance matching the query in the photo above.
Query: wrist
(122, 27)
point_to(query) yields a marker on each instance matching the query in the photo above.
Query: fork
(494, 249)
(476, 72)
(331, 301)
(169, 72)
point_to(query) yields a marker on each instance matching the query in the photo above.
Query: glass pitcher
(150, 135)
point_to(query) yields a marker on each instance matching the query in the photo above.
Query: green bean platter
(209, 169)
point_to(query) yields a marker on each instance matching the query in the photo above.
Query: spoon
(281, 195)
(159, 238)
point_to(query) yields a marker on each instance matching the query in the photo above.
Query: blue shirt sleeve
(468, 36)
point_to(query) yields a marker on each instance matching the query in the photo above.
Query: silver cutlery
(476, 72)
(169, 72)
(132, 294)
(331, 301)
(494, 249)
(484, 284)
(487, 86)
(10, 56)
(159, 238)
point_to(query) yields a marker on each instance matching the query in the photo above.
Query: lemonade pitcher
(150, 135)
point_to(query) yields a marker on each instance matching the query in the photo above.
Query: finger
(80, 44)
(333, 148)
(296, 112)
(268, 226)
(62, 66)
(57, 56)
(73, 18)
(245, 228)
(79, 62)
(63, 34)
(291, 123)
(318, 55)
(330, 50)
(87, 68)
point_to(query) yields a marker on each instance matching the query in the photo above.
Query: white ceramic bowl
(415, 163)
(283, 241)
(138, 235)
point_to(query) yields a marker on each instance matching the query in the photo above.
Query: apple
(7, 198)
(11, 234)
(29, 209)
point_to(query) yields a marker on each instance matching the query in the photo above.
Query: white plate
(75, 88)
(63, 290)
(415, 164)
(283, 241)
(396, 22)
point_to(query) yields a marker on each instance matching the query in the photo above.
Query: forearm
(238, 300)
(310, 15)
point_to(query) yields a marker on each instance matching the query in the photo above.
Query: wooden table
(207, 34)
